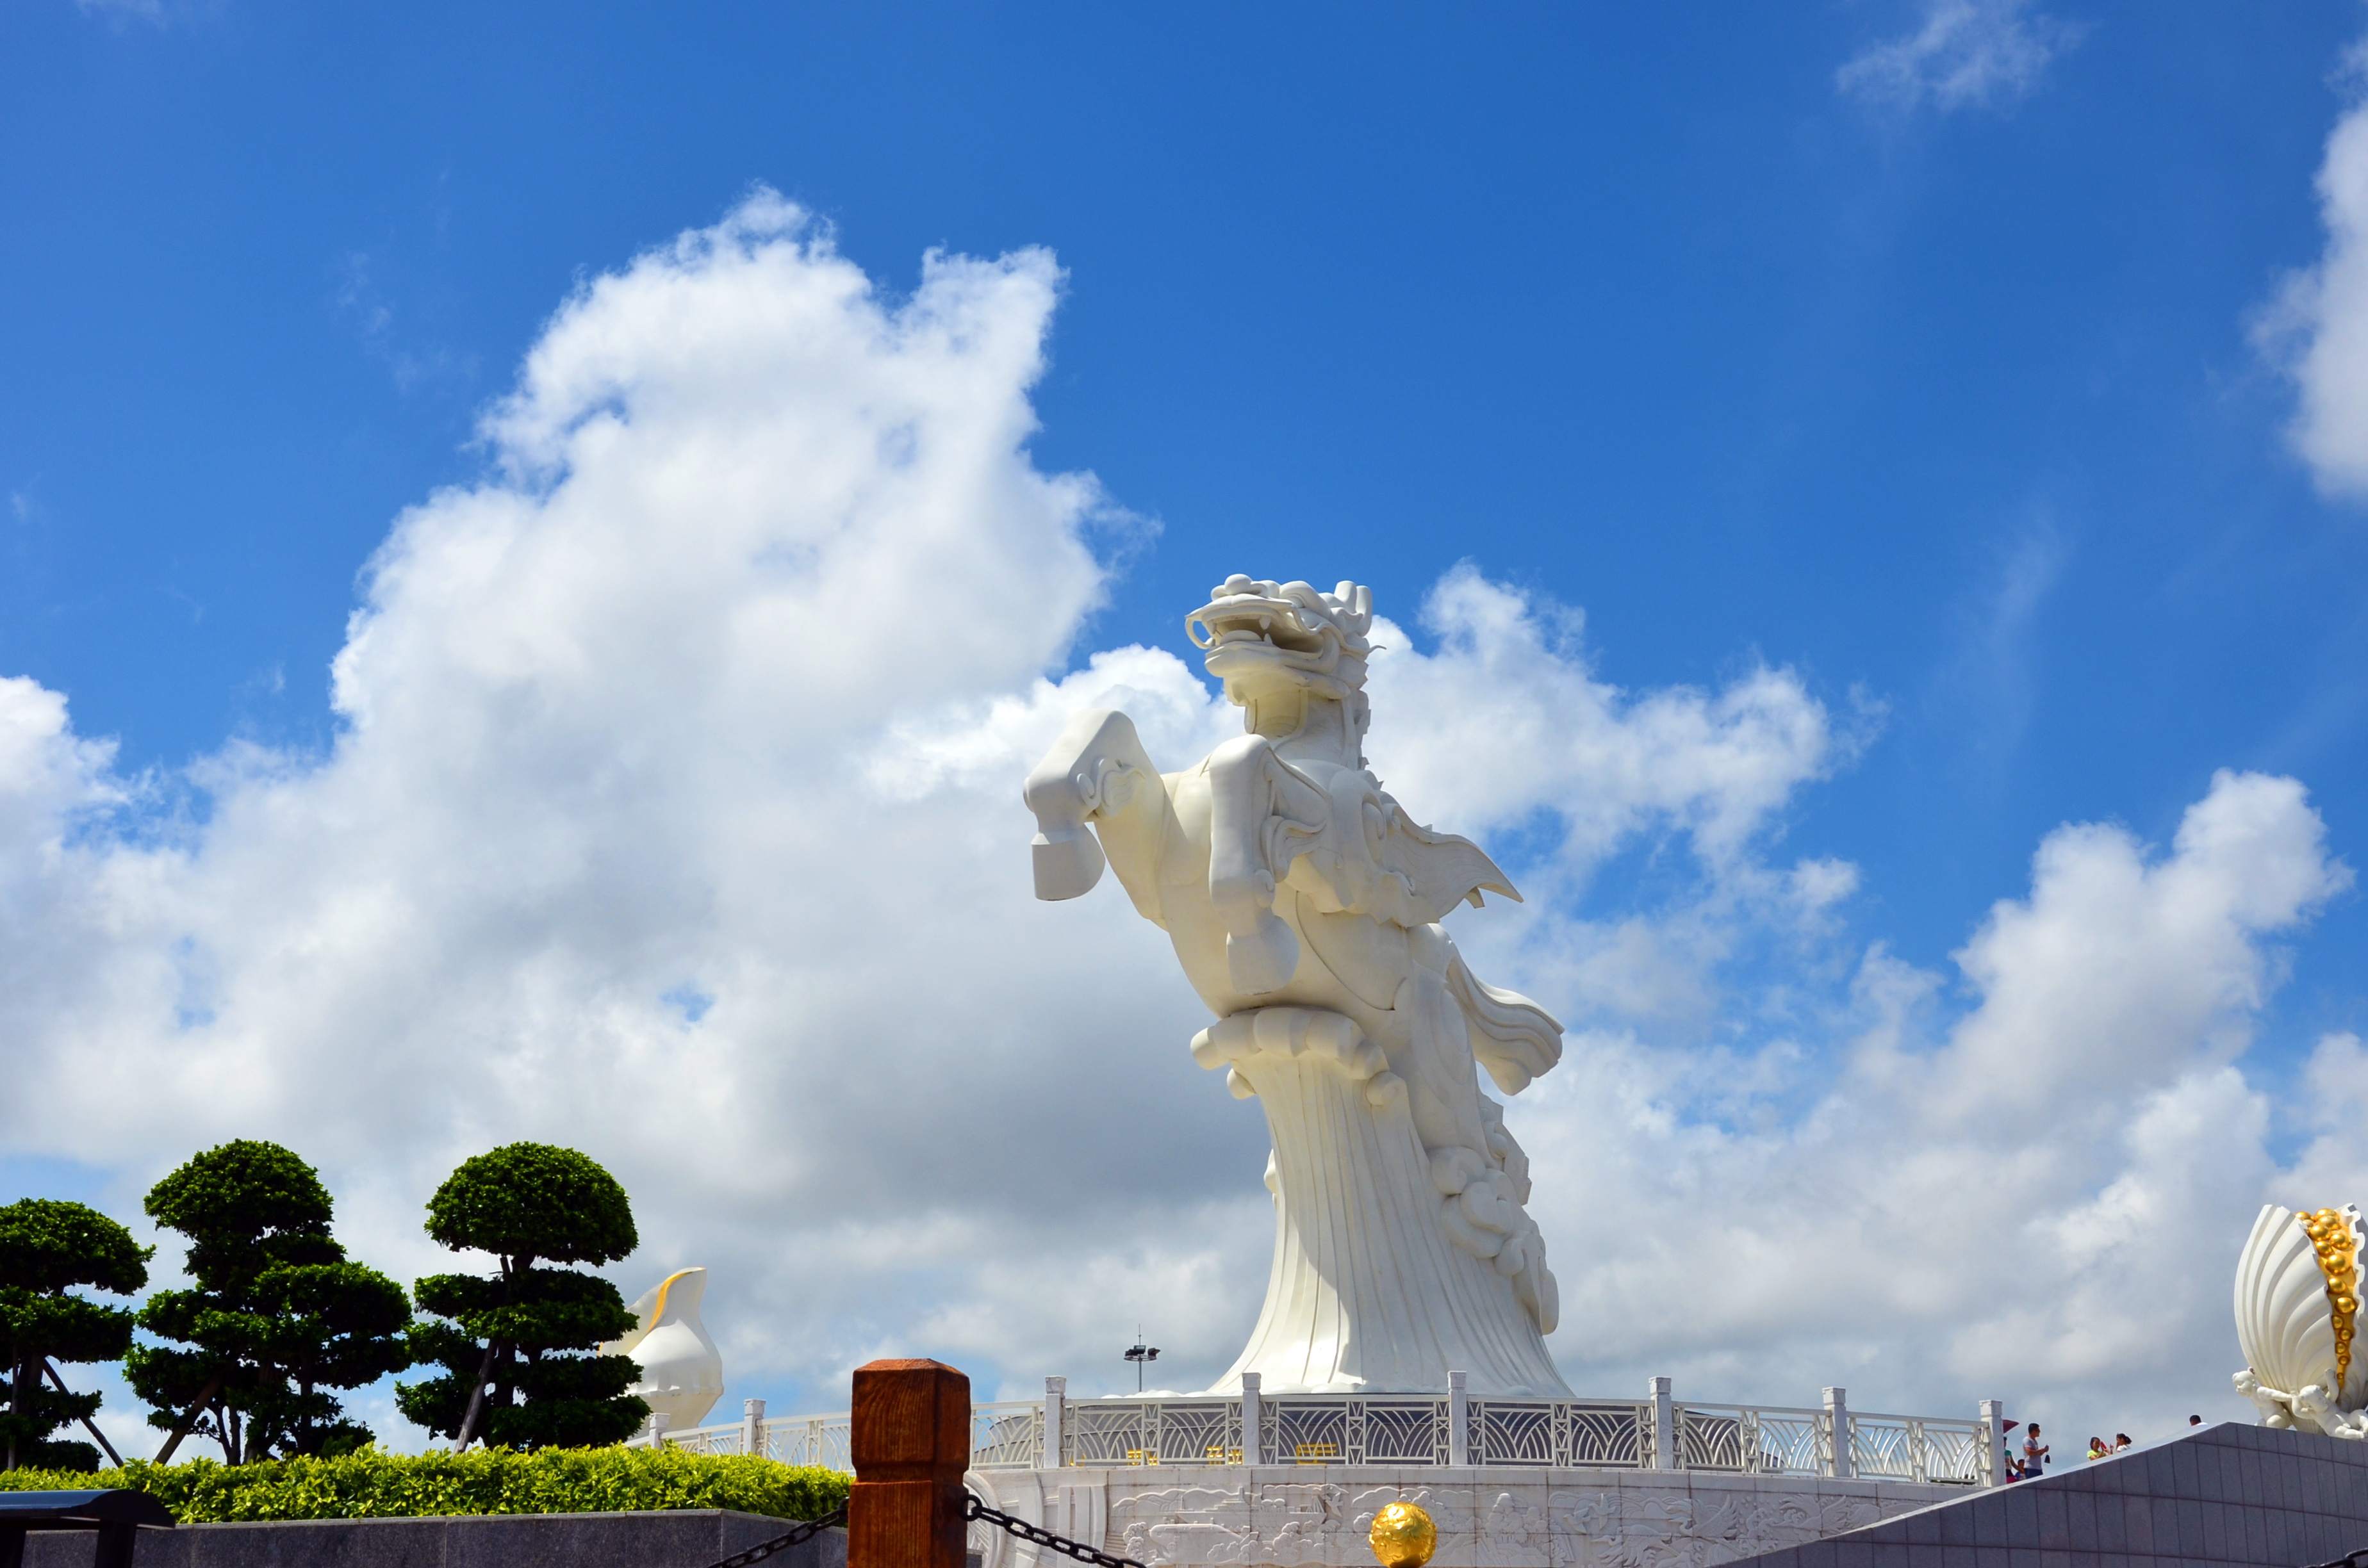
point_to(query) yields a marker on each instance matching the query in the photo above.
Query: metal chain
(798, 1536)
(971, 1509)
(975, 1509)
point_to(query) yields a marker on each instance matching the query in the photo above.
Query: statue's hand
(1263, 959)
(1068, 862)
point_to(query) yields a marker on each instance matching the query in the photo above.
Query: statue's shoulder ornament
(1369, 857)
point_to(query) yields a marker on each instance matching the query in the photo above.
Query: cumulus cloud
(2041, 1197)
(1961, 54)
(156, 13)
(1504, 718)
(672, 816)
(2316, 326)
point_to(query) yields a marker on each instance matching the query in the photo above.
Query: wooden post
(910, 1442)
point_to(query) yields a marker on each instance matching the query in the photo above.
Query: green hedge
(373, 1485)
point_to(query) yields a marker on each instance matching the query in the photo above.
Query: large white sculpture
(1304, 903)
(2297, 1303)
(682, 1371)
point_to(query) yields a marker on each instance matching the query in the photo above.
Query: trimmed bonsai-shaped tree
(276, 1317)
(517, 1347)
(47, 1247)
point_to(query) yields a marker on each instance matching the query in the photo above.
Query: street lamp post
(1138, 1353)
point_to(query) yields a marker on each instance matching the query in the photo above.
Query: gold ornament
(1404, 1537)
(2338, 1259)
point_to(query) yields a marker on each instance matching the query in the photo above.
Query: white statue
(1304, 903)
(682, 1372)
(2297, 1304)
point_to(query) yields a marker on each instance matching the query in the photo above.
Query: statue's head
(1266, 640)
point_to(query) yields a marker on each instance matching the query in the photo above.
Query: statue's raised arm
(1303, 903)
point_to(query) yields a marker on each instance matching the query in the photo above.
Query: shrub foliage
(369, 1485)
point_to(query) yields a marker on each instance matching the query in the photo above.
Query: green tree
(277, 1316)
(47, 1247)
(513, 1346)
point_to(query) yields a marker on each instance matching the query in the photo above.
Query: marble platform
(1295, 1517)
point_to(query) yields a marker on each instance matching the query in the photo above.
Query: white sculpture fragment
(682, 1371)
(1304, 903)
(2297, 1303)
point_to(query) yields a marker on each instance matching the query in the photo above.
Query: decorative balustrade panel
(1563, 1434)
(1752, 1440)
(1007, 1435)
(1917, 1448)
(1152, 1432)
(811, 1440)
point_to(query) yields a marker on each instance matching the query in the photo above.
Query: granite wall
(684, 1538)
(2220, 1494)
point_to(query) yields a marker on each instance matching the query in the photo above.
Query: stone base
(677, 1538)
(1304, 1516)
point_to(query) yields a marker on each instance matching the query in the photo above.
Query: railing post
(657, 1430)
(1056, 1415)
(752, 1426)
(1665, 1425)
(1459, 1420)
(909, 1441)
(1993, 1442)
(1838, 1424)
(1253, 1417)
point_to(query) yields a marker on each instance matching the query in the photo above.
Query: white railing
(795, 1439)
(1416, 1429)
(1007, 1436)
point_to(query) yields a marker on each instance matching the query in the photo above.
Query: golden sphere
(1404, 1537)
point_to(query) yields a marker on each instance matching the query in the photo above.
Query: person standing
(2034, 1453)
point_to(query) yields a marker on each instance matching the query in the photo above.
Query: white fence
(1654, 1433)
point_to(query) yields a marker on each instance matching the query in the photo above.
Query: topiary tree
(276, 1315)
(47, 1247)
(513, 1349)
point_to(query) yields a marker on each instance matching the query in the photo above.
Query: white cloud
(2316, 326)
(673, 816)
(1962, 54)
(1506, 718)
(156, 13)
(2043, 1200)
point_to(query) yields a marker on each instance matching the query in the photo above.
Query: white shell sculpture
(2297, 1300)
(682, 1372)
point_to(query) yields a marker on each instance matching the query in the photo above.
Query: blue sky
(1949, 394)
(1956, 407)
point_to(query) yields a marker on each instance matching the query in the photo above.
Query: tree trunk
(485, 1365)
(196, 1408)
(47, 1366)
(16, 1405)
(476, 1396)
